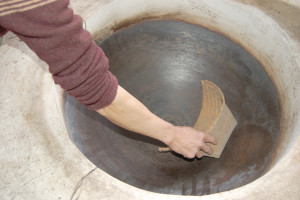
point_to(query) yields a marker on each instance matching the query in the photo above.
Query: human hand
(188, 142)
(129, 113)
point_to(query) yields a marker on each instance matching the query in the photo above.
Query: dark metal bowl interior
(162, 63)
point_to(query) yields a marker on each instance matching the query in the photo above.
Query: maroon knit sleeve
(78, 65)
(2, 31)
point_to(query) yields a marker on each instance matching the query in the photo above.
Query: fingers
(210, 139)
(190, 156)
(199, 154)
(190, 142)
(206, 149)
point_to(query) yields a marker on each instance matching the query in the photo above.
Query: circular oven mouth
(162, 63)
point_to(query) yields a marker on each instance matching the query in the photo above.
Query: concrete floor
(38, 159)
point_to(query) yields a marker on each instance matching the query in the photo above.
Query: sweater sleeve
(2, 31)
(77, 64)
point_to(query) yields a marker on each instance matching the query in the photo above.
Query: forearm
(129, 113)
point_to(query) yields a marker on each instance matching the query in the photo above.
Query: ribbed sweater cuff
(108, 96)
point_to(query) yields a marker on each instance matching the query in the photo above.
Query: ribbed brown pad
(215, 118)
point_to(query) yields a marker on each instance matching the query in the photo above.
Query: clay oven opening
(162, 63)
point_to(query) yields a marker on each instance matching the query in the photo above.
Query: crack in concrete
(79, 184)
